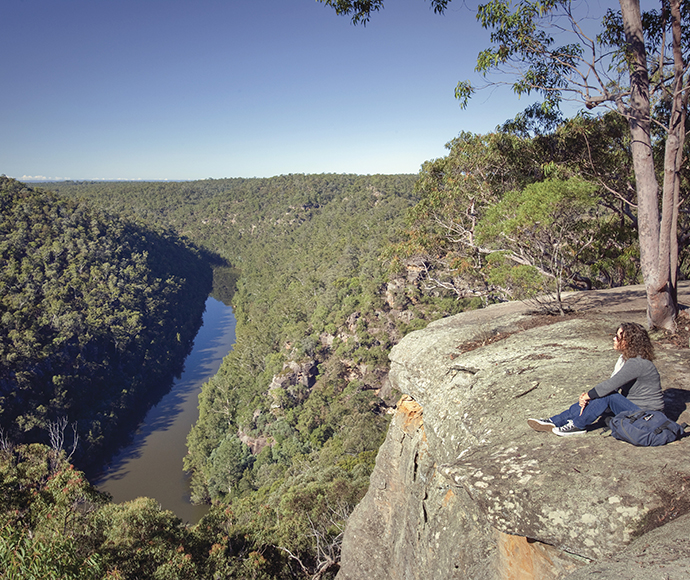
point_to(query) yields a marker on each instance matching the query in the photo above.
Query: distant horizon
(181, 90)
(36, 179)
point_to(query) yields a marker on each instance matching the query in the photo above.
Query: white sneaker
(568, 429)
(543, 425)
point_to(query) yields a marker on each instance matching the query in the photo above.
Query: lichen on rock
(463, 488)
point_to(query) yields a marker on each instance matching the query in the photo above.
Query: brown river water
(151, 466)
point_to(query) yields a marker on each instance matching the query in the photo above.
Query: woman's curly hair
(637, 342)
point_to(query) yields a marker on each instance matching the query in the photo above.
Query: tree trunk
(654, 233)
(674, 145)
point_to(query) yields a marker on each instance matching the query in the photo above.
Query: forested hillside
(96, 313)
(294, 418)
(327, 272)
(312, 289)
(301, 389)
(526, 210)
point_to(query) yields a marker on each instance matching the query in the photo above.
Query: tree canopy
(94, 309)
(289, 427)
(328, 272)
(636, 64)
(463, 236)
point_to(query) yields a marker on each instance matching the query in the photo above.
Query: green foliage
(456, 191)
(484, 178)
(636, 66)
(44, 516)
(56, 525)
(542, 229)
(227, 465)
(360, 10)
(311, 294)
(519, 280)
(519, 34)
(295, 524)
(140, 540)
(25, 558)
(88, 304)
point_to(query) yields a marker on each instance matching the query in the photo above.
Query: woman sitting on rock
(634, 374)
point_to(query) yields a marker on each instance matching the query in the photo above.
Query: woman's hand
(584, 399)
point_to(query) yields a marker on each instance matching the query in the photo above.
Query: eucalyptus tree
(636, 65)
(455, 192)
(546, 226)
(505, 216)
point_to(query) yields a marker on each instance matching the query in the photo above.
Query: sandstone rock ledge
(463, 488)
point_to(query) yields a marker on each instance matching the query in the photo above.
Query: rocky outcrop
(464, 489)
(293, 382)
(255, 444)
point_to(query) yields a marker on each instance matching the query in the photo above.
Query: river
(151, 466)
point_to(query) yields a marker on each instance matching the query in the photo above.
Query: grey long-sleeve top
(638, 381)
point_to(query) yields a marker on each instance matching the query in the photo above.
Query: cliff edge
(463, 488)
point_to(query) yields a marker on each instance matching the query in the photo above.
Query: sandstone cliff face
(464, 489)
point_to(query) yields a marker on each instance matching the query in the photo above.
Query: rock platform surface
(463, 488)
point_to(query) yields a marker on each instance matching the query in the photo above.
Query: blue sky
(191, 89)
